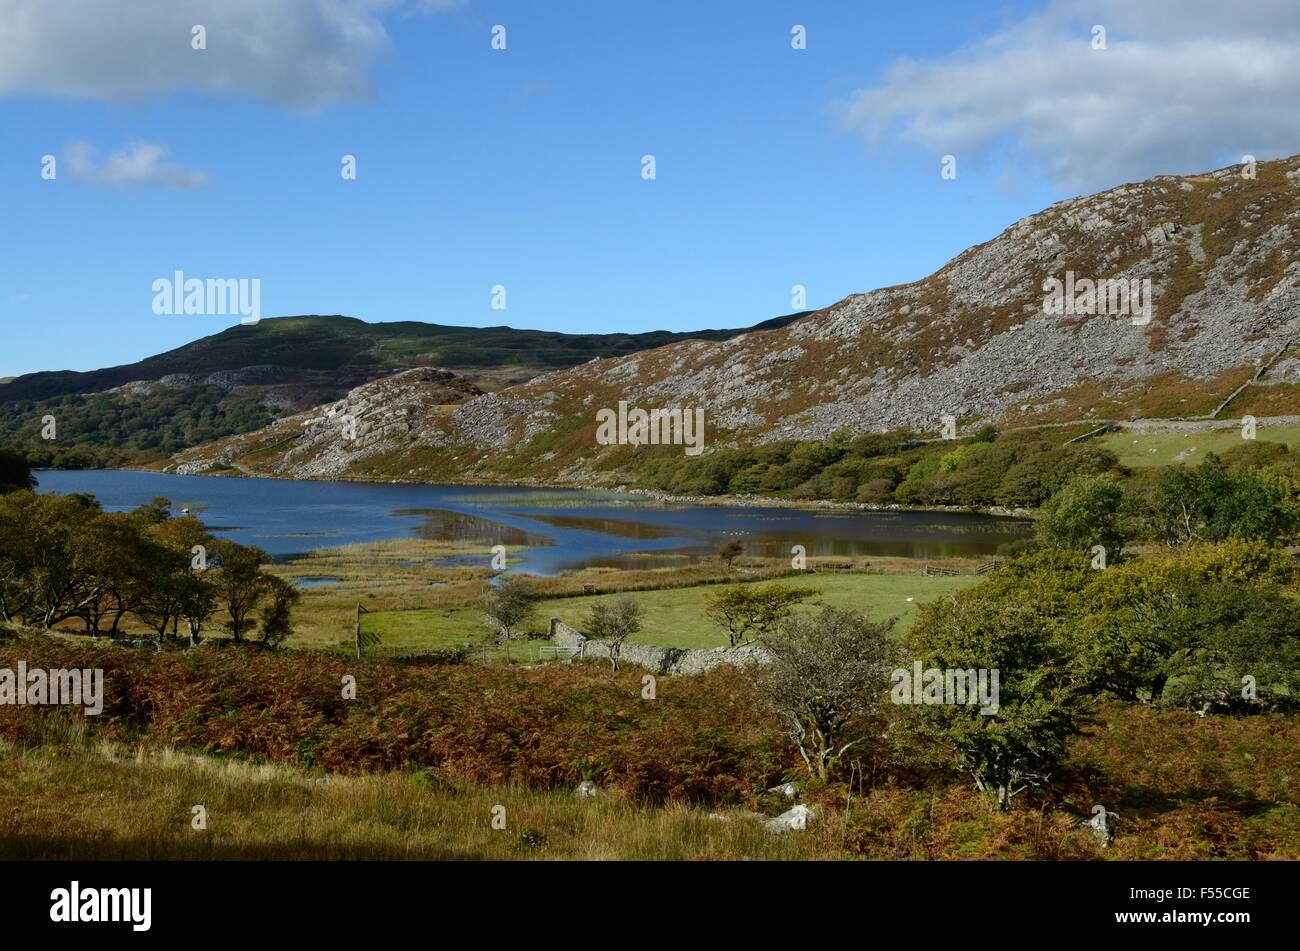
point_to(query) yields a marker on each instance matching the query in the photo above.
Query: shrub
(705, 740)
(510, 605)
(1089, 511)
(876, 492)
(615, 621)
(827, 671)
(749, 611)
(1212, 503)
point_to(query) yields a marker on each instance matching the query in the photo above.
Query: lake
(561, 528)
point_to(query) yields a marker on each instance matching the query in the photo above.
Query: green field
(674, 617)
(1162, 449)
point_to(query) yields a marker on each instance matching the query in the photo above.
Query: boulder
(794, 819)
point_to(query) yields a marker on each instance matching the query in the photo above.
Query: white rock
(793, 819)
(589, 790)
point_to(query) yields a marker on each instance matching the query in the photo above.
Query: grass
(396, 574)
(674, 616)
(1162, 449)
(414, 602)
(102, 801)
(1184, 788)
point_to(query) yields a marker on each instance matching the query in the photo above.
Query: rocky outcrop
(329, 440)
(228, 380)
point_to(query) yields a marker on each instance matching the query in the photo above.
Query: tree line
(104, 430)
(1014, 470)
(63, 558)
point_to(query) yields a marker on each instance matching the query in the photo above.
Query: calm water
(563, 528)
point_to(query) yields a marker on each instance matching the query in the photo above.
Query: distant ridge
(342, 352)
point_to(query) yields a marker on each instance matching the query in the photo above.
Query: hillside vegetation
(972, 342)
(421, 758)
(244, 377)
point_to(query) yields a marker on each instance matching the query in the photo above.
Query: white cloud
(142, 165)
(301, 53)
(1183, 86)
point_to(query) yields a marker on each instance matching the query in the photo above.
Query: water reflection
(558, 529)
(446, 525)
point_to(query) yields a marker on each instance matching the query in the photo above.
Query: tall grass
(102, 801)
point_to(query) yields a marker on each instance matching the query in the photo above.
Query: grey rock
(794, 819)
(1102, 825)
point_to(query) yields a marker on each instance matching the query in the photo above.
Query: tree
(827, 671)
(240, 583)
(510, 605)
(1184, 629)
(45, 575)
(161, 600)
(16, 590)
(1089, 510)
(730, 551)
(749, 611)
(117, 555)
(15, 472)
(1212, 502)
(277, 623)
(194, 596)
(156, 511)
(1011, 625)
(198, 602)
(614, 622)
(1242, 635)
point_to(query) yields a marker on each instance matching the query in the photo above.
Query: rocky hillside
(974, 340)
(402, 410)
(244, 377)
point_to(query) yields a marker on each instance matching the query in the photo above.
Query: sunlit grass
(674, 617)
(107, 802)
(1162, 449)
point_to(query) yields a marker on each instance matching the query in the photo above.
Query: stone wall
(659, 660)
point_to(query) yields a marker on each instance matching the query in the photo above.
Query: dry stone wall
(659, 660)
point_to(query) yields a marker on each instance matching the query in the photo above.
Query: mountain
(337, 353)
(246, 376)
(976, 341)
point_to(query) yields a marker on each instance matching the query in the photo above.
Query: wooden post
(358, 630)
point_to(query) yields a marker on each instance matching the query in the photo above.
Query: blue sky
(522, 167)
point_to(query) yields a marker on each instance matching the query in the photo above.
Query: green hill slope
(245, 376)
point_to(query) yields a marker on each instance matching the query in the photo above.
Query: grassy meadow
(675, 616)
(413, 603)
(1163, 449)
